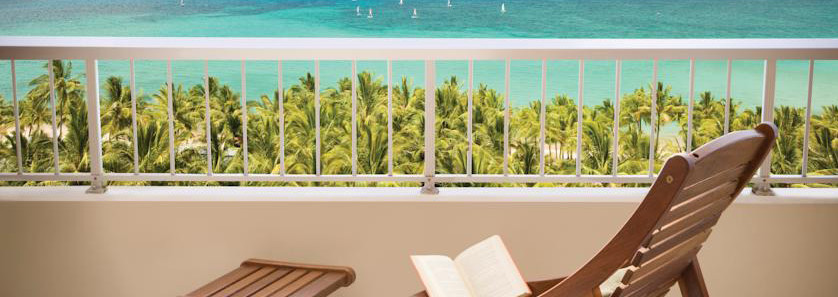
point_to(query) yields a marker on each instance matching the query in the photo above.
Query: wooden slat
(263, 282)
(297, 284)
(323, 286)
(350, 274)
(664, 274)
(661, 252)
(696, 230)
(244, 282)
(710, 182)
(721, 191)
(281, 283)
(735, 152)
(224, 281)
(709, 212)
(258, 277)
(664, 259)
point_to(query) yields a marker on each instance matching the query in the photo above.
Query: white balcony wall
(94, 245)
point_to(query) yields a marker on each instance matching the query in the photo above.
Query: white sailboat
(503, 8)
(358, 10)
(369, 16)
(181, 3)
(449, 3)
(401, 2)
(415, 15)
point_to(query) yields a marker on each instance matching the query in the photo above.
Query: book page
(489, 270)
(440, 276)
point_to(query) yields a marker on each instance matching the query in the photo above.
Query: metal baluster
(354, 115)
(761, 186)
(170, 110)
(805, 170)
(542, 116)
(389, 117)
(55, 160)
(428, 186)
(470, 154)
(16, 111)
(654, 118)
(506, 119)
(689, 144)
(281, 101)
(317, 115)
(134, 119)
(579, 115)
(94, 129)
(207, 119)
(727, 95)
(244, 119)
(616, 128)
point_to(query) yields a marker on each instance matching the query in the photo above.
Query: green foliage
(295, 108)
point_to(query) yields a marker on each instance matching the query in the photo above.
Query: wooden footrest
(262, 278)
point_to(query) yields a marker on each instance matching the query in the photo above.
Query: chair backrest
(665, 233)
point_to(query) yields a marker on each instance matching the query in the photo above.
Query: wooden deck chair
(657, 247)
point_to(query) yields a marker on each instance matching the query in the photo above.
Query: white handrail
(199, 48)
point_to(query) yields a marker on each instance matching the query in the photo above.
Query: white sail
(449, 3)
(415, 15)
(401, 2)
(369, 16)
(181, 3)
(357, 10)
(503, 8)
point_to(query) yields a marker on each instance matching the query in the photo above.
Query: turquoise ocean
(464, 19)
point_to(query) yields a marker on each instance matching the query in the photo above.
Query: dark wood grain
(261, 278)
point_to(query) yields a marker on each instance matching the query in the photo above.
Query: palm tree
(408, 128)
(824, 149)
(597, 147)
(451, 124)
(264, 135)
(372, 125)
(116, 120)
(300, 127)
(561, 126)
(786, 154)
(225, 132)
(669, 108)
(68, 92)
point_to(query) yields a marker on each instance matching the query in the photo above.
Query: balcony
(483, 155)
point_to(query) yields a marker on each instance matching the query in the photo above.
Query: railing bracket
(96, 190)
(762, 188)
(97, 186)
(429, 188)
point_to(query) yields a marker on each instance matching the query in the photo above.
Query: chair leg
(692, 282)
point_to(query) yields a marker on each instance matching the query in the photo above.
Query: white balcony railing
(92, 50)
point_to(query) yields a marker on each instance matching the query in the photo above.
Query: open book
(483, 270)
